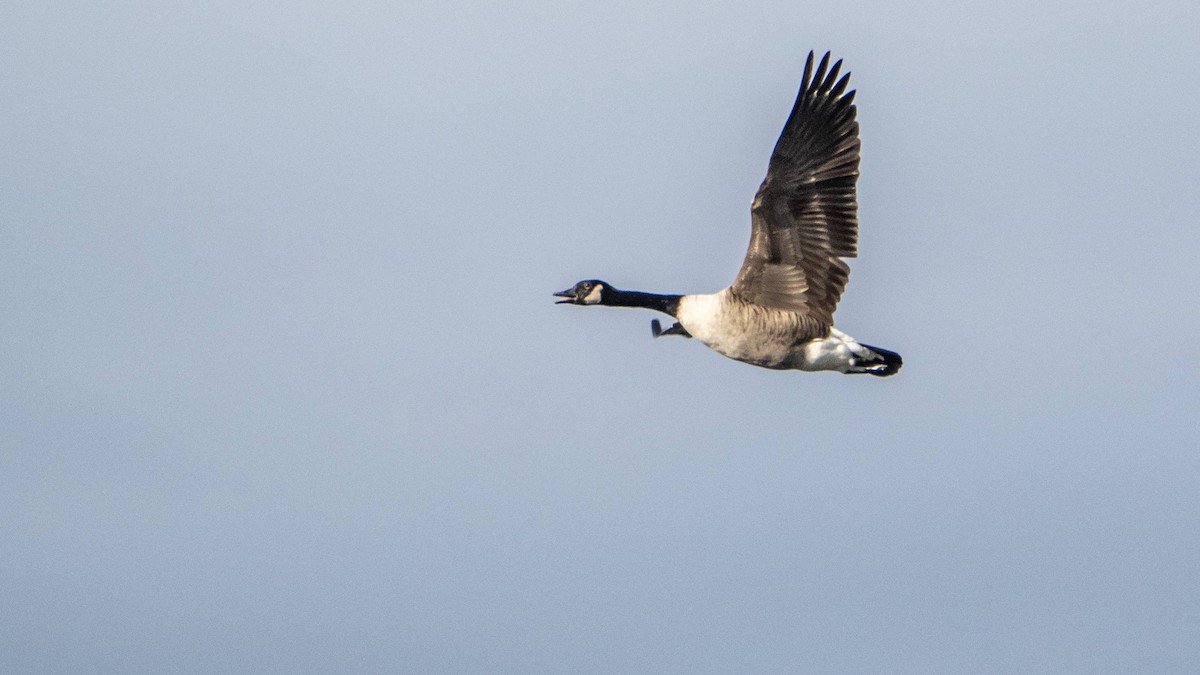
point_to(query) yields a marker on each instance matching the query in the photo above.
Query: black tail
(880, 362)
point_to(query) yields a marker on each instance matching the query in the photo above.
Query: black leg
(657, 329)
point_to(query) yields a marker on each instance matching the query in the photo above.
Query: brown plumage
(804, 218)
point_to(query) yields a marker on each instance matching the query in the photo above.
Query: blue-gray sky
(282, 388)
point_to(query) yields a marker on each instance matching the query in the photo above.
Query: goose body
(750, 333)
(778, 312)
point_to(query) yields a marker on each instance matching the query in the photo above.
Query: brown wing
(804, 219)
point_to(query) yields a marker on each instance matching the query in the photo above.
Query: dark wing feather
(805, 214)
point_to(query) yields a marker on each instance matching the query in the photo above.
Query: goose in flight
(778, 313)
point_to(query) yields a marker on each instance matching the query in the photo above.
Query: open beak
(565, 294)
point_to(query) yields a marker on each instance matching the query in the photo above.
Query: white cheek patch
(593, 296)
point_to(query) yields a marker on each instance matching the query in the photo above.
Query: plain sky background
(282, 387)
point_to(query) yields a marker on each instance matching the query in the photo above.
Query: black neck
(667, 304)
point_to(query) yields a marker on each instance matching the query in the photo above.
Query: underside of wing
(804, 219)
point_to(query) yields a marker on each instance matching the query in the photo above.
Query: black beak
(569, 294)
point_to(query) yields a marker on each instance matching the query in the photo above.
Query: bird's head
(586, 292)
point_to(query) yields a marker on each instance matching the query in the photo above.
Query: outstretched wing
(804, 219)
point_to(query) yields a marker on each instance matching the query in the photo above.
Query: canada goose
(778, 313)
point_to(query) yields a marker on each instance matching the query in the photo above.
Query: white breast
(703, 316)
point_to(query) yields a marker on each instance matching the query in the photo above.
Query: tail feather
(878, 362)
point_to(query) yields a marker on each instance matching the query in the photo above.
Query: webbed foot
(657, 329)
